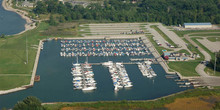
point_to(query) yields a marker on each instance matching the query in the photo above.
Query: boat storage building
(197, 25)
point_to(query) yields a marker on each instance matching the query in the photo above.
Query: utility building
(197, 25)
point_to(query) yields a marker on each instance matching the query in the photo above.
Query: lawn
(214, 39)
(184, 51)
(206, 34)
(13, 56)
(186, 68)
(163, 35)
(182, 33)
(13, 52)
(13, 81)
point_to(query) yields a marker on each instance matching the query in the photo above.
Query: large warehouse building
(197, 25)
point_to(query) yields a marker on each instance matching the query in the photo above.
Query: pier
(153, 60)
(125, 63)
(37, 78)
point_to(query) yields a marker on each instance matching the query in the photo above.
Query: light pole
(215, 64)
(215, 60)
(26, 50)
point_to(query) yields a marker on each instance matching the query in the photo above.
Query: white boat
(116, 88)
(149, 75)
(78, 87)
(153, 73)
(77, 78)
(89, 88)
(128, 86)
(77, 75)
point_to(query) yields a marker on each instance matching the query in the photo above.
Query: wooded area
(169, 12)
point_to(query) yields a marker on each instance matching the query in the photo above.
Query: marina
(146, 69)
(103, 47)
(83, 77)
(56, 79)
(119, 75)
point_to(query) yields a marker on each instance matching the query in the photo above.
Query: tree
(170, 12)
(29, 103)
(40, 8)
(61, 19)
(2, 35)
(52, 21)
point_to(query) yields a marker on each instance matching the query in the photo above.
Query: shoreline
(31, 84)
(6, 4)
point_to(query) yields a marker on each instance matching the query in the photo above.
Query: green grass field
(13, 81)
(163, 35)
(135, 105)
(186, 68)
(206, 34)
(182, 33)
(184, 51)
(214, 39)
(13, 56)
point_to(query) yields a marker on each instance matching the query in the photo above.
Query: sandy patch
(195, 103)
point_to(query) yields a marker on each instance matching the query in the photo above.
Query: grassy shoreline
(147, 104)
(13, 56)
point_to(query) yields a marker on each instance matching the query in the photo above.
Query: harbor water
(10, 22)
(56, 80)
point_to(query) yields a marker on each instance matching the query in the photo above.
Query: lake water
(10, 22)
(56, 81)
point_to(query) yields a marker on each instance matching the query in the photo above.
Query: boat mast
(87, 59)
(77, 59)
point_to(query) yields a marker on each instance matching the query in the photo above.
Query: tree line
(169, 12)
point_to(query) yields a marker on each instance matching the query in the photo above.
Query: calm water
(56, 81)
(10, 22)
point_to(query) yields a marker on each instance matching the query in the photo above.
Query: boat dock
(83, 77)
(125, 63)
(37, 78)
(153, 60)
(119, 75)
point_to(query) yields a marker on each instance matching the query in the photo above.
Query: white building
(197, 25)
(27, 4)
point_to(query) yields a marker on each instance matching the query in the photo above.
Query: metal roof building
(197, 25)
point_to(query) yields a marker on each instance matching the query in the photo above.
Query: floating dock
(37, 78)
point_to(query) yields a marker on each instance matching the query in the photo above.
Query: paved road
(175, 38)
(156, 54)
(208, 80)
(156, 35)
(212, 46)
(207, 56)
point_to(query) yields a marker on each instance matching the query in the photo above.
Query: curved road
(209, 80)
